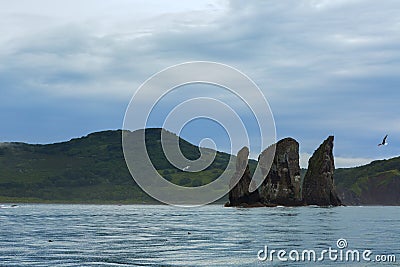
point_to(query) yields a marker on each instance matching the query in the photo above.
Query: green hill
(377, 183)
(90, 169)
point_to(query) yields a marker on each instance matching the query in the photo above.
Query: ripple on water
(107, 235)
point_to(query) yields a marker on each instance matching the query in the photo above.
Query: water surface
(147, 235)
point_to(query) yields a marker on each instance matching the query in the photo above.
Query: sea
(160, 235)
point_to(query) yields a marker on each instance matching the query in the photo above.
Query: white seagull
(384, 143)
(186, 168)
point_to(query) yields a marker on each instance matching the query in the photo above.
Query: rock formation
(380, 188)
(239, 194)
(282, 184)
(318, 186)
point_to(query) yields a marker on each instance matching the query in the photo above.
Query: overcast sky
(68, 68)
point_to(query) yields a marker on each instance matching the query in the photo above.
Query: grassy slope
(90, 169)
(375, 183)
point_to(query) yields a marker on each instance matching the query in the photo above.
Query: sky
(69, 68)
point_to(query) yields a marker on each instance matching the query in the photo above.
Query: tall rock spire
(318, 186)
(282, 184)
(239, 194)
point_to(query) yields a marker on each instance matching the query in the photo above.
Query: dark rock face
(239, 194)
(348, 197)
(282, 185)
(318, 186)
(379, 189)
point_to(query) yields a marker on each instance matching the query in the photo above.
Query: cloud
(298, 50)
(340, 162)
(326, 67)
(351, 162)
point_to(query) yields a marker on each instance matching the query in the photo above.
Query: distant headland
(91, 169)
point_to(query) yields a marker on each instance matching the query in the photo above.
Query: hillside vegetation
(377, 183)
(90, 169)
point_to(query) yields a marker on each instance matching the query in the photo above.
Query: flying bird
(186, 168)
(384, 143)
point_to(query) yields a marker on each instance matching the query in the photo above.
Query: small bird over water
(384, 143)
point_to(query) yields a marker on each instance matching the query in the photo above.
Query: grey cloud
(325, 66)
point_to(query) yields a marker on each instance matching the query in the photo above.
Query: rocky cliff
(282, 184)
(239, 195)
(377, 183)
(318, 185)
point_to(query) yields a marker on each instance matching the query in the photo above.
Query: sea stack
(318, 186)
(239, 194)
(282, 184)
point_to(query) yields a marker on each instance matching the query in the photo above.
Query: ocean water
(147, 235)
